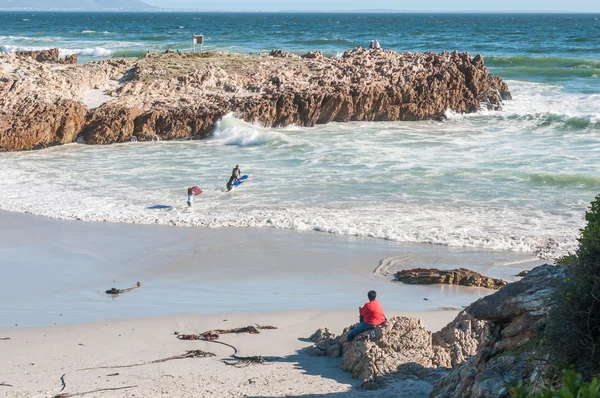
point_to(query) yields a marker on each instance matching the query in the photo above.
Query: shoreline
(59, 270)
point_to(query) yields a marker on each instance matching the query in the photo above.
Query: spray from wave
(233, 131)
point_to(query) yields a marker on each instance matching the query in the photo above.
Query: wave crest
(234, 131)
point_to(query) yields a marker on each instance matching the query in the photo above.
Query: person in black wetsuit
(235, 176)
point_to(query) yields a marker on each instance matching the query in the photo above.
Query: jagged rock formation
(461, 276)
(458, 340)
(401, 341)
(43, 104)
(50, 56)
(507, 353)
(183, 95)
(489, 345)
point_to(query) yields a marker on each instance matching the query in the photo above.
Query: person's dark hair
(371, 295)
(189, 191)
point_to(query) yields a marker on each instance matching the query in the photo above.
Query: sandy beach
(58, 319)
(34, 359)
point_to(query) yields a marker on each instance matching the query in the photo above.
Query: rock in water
(461, 276)
(183, 95)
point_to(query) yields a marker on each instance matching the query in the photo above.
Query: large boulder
(461, 276)
(399, 342)
(490, 345)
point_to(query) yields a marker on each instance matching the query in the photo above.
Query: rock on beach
(485, 348)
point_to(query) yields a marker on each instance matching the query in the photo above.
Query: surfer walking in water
(236, 174)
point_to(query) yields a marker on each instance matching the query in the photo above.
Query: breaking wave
(233, 131)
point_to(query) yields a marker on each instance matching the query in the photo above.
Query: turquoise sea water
(519, 179)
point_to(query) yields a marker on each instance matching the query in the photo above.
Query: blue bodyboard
(237, 183)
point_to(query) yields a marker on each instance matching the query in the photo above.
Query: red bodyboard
(196, 190)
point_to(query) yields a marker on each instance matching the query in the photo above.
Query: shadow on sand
(415, 380)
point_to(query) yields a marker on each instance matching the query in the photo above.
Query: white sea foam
(233, 131)
(93, 52)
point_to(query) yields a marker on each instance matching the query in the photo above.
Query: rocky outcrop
(42, 104)
(459, 340)
(50, 56)
(515, 317)
(490, 345)
(183, 95)
(400, 344)
(461, 276)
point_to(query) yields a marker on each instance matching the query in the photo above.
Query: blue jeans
(361, 327)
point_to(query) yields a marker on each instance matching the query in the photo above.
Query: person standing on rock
(371, 315)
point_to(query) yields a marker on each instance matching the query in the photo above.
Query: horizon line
(373, 11)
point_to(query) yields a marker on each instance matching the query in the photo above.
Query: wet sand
(56, 271)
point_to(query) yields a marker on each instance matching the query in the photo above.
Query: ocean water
(519, 179)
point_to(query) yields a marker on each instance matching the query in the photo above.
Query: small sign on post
(197, 39)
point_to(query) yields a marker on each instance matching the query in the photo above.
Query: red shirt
(372, 313)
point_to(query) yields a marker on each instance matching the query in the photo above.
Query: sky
(349, 5)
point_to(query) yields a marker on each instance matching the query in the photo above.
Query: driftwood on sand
(214, 334)
(188, 354)
(81, 394)
(114, 291)
(233, 360)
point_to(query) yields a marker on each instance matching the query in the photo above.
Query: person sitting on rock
(377, 45)
(371, 315)
(372, 45)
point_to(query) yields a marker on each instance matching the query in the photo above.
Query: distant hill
(82, 5)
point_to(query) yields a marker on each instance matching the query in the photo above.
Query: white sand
(34, 359)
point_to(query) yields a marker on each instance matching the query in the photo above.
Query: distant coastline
(244, 11)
